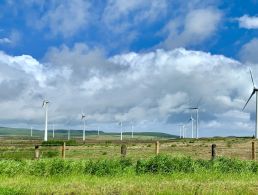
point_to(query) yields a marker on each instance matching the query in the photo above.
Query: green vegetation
(23, 133)
(59, 143)
(160, 174)
(161, 164)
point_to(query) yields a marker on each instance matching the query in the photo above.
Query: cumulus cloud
(64, 18)
(248, 52)
(5, 40)
(153, 89)
(196, 27)
(249, 22)
(121, 15)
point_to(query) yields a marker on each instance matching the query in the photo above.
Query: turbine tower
(45, 105)
(84, 124)
(180, 130)
(69, 134)
(192, 123)
(121, 130)
(31, 131)
(254, 92)
(197, 120)
(53, 131)
(132, 128)
(98, 131)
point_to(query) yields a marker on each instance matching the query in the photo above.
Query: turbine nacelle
(83, 116)
(45, 102)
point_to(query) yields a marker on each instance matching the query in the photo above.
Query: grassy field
(136, 148)
(93, 166)
(132, 184)
(157, 175)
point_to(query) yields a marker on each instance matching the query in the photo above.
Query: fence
(245, 150)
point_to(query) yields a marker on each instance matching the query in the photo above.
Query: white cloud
(5, 40)
(248, 52)
(121, 15)
(64, 18)
(147, 88)
(196, 27)
(249, 22)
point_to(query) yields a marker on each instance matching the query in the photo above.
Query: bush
(51, 153)
(164, 164)
(160, 164)
(59, 143)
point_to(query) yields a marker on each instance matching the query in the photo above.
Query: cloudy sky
(144, 61)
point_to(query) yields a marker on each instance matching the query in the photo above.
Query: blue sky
(34, 38)
(139, 60)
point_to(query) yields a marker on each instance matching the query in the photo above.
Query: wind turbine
(53, 131)
(98, 131)
(183, 127)
(69, 134)
(182, 130)
(132, 128)
(254, 92)
(83, 118)
(121, 130)
(45, 105)
(197, 120)
(31, 131)
(192, 123)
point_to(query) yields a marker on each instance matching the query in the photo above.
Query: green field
(157, 175)
(96, 166)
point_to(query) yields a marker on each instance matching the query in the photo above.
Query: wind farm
(128, 97)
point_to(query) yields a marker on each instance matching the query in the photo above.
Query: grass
(96, 168)
(132, 184)
(186, 176)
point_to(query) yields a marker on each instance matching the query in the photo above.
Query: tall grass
(160, 164)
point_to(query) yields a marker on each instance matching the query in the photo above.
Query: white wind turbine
(121, 130)
(53, 126)
(132, 128)
(31, 131)
(182, 130)
(69, 134)
(197, 120)
(192, 123)
(45, 105)
(254, 92)
(83, 117)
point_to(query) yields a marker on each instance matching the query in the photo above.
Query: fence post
(123, 150)
(213, 151)
(63, 151)
(157, 147)
(253, 151)
(36, 152)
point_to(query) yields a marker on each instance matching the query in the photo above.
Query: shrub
(51, 153)
(59, 143)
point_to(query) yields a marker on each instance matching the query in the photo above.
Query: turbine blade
(251, 76)
(249, 99)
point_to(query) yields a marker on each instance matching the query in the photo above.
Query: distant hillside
(6, 131)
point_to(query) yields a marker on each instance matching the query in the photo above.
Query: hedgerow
(160, 164)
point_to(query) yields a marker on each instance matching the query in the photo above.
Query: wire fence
(108, 150)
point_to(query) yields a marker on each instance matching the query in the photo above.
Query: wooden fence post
(37, 152)
(253, 151)
(213, 151)
(157, 147)
(63, 151)
(123, 150)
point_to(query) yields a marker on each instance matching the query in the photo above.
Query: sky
(139, 61)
